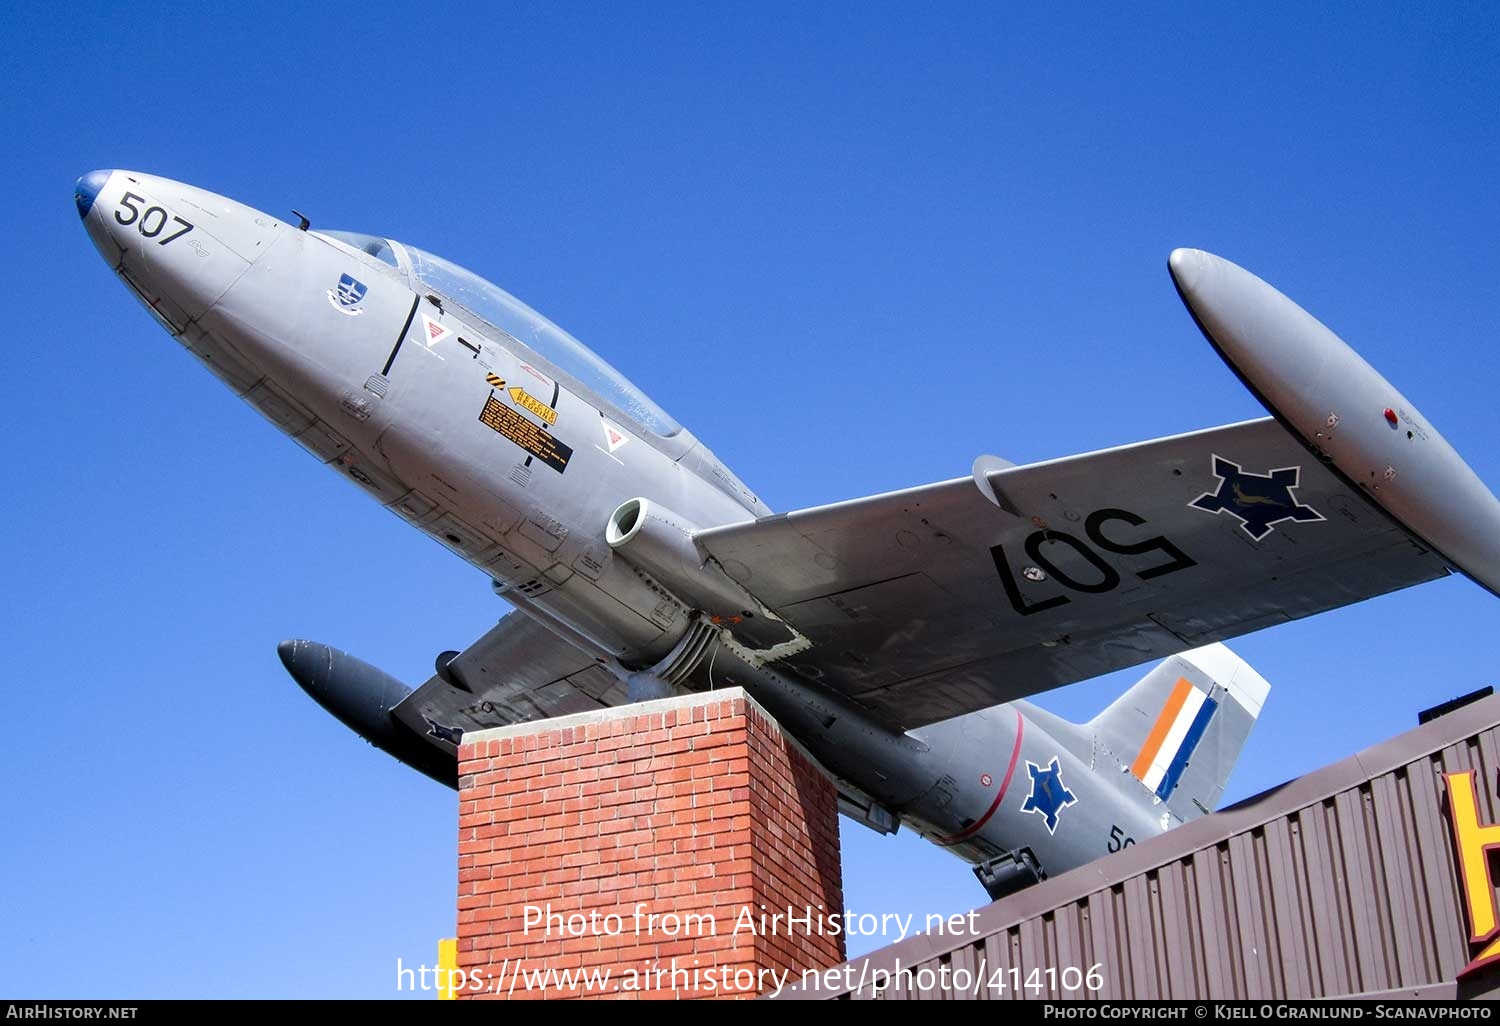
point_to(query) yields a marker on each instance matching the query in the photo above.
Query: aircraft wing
(518, 671)
(940, 600)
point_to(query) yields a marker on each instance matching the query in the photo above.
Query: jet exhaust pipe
(661, 543)
(654, 539)
(361, 697)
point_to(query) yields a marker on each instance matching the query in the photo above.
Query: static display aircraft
(893, 635)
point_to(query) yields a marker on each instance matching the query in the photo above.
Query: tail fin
(1178, 732)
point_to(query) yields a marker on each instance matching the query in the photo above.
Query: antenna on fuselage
(305, 223)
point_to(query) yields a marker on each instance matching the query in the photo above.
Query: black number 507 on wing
(1104, 577)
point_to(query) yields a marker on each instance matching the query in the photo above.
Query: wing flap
(517, 672)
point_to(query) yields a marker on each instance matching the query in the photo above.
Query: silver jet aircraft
(893, 635)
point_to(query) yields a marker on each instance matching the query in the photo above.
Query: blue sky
(851, 246)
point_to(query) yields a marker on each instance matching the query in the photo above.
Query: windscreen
(501, 310)
(377, 248)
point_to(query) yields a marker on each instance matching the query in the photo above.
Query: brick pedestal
(641, 851)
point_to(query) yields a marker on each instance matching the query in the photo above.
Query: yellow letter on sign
(1473, 841)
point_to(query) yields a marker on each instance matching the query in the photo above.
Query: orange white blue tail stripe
(1173, 738)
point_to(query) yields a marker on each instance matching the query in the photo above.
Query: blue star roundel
(1049, 795)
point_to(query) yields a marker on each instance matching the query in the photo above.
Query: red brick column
(646, 847)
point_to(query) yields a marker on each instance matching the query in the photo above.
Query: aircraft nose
(178, 247)
(87, 190)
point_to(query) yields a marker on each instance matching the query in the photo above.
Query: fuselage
(489, 429)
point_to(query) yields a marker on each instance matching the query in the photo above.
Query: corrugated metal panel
(1342, 882)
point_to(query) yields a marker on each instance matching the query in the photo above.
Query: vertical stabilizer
(1177, 733)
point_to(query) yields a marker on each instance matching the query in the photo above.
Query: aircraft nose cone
(87, 190)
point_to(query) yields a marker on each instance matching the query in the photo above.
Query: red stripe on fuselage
(1010, 771)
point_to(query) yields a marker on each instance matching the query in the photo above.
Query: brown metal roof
(1341, 882)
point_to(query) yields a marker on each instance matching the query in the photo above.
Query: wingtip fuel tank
(362, 697)
(1344, 411)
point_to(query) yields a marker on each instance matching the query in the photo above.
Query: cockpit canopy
(499, 310)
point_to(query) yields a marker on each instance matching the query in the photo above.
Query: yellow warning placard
(535, 440)
(531, 404)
